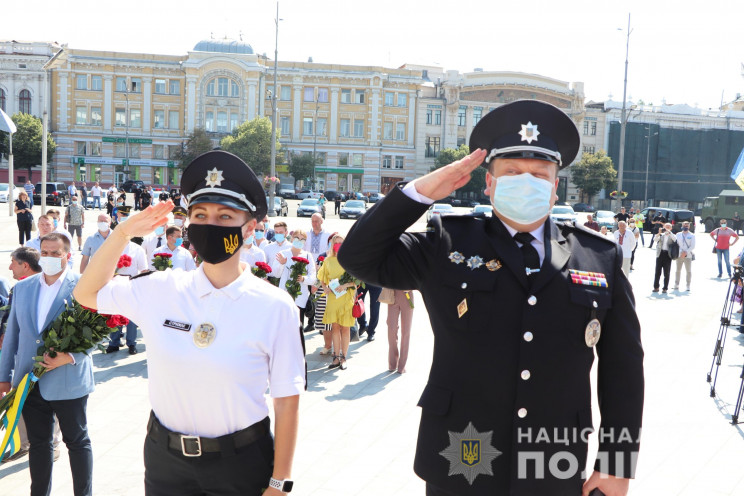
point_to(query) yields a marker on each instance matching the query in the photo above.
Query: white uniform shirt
(180, 257)
(251, 254)
(628, 244)
(150, 244)
(219, 389)
(139, 260)
(272, 249)
(283, 270)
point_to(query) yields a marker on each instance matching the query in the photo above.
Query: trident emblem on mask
(231, 243)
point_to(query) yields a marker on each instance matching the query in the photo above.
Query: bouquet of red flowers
(261, 270)
(124, 261)
(299, 268)
(162, 261)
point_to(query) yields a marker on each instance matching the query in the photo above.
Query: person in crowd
(636, 234)
(723, 236)
(339, 303)
(72, 190)
(280, 242)
(658, 226)
(95, 191)
(93, 242)
(626, 239)
(686, 242)
(163, 196)
(64, 389)
(75, 220)
(373, 309)
(317, 238)
(180, 256)
(606, 233)
(146, 198)
(222, 441)
(24, 217)
(269, 234)
(180, 219)
(137, 191)
(260, 236)
(281, 267)
(24, 262)
(326, 330)
(736, 221)
(322, 201)
(665, 239)
(44, 225)
(83, 190)
(250, 253)
(591, 223)
(110, 203)
(621, 216)
(639, 219)
(29, 189)
(337, 204)
(152, 244)
(401, 308)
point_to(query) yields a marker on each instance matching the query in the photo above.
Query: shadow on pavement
(13, 467)
(107, 369)
(367, 387)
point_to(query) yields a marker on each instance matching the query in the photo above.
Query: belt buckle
(198, 445)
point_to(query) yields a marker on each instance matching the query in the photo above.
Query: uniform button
(464, 285)
(37, 341)
(525, 375)
(532, 300)
(522, 412)
(527, 336)
(594, 304)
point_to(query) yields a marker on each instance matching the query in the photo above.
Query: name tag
(179, 326)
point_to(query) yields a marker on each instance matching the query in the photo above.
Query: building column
(411, 118)
(468, 123)
(296, 113)
(147, 104)
(11, 101)
(251, 100)
(63, 101)
(376, 118)
(191, 104)
(333, 128)
(108, 112)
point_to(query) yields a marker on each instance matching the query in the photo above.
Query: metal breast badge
(593, 329)
(204, 335)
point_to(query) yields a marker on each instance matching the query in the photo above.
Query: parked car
(129, 185)
(280, 205)
(439, 209)
(352, 209)
(4, 193)
(487, 210)
(674, 216)
(583, 207)
(306, 193)
(356, 195)
(332, 195)
(56, 194)
(562, 213)
(375, 197)
(286, 192)
(310, 206)
(605, 218)
(471, 203)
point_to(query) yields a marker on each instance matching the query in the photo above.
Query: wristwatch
(284, 486)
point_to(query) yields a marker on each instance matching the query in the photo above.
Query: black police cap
(178, 210)
(527, 129)
(221, 177)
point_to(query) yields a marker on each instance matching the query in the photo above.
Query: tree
(196, 144)
(593, 173)
(301, 166)
(251, 141)
(477, 183)
(27, 142)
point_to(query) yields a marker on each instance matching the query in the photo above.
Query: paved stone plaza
(358, 427)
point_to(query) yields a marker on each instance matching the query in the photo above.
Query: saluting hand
(146, 221)
(444, 181)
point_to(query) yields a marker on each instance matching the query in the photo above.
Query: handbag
(674, 251)
(358, 308)
(387, 296)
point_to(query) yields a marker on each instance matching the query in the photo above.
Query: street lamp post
(623, 121)
(648, 152)
(272, 185)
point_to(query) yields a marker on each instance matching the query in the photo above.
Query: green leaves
(593, 173)
(251, 141)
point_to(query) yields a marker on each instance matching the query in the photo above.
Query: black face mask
(215, 244)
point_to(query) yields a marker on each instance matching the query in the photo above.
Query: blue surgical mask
(249, 239)
(298, 243)
(74, 202)
(159, 231)
(685, 229)
(56, 222)
(523, 199)
(723, 225)
(279, 238)
(259, 235)
(179, 242)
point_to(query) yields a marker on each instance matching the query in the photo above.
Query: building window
(309, 95)
(400, 131)
(80, 147)
(461, 117)
(160, 86)
(233, 121)
(158, 152)
(345, 96)
(345, 127)
(221, 122)
(402, 99)
(159, 118)
(24, 99)
(210, 88)
(284, 124)
(95, 148)
(323, 95)
(96, 83)
(588, 149)
(174, 118)
(81, 82)
(586, 128)
(321, 126)
(81, 115)
(135, 118)
(477, 114)
(222, 89)
(120, 150)
(95, 116)
(432, 146)
(343, 158)
(209, 122)
(135, 150)
(357, 160)
(286, 93)
(358, 128)
(387, 161)
(438, 117)
(175, 87)
(389, 98)
(121, 84)
(398, 162)
(136, 85)
(173, 151)
(387, 131)
(307, 126)
(121, 117)
(2, 99)
(594, 128)
(429, 116)
(234, 89)
(359, 96)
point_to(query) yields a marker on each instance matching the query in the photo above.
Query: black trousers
(373, 309)
(663, 262)
(239, 472)
(38, 414)
(24, 230)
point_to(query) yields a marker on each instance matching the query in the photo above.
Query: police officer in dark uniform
(518, 305)
(180, 217)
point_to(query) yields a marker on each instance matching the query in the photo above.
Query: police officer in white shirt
(208, 364)
(180, 256)
(152, 244)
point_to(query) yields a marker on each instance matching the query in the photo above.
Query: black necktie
(160, 242)
(529, 253)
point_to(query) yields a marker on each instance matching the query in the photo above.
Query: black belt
(192, 446)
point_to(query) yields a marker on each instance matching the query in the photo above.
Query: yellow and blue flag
(737, 174)
(11, 440)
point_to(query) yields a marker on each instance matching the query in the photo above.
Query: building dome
(224, 46)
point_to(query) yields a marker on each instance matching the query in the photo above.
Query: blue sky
(679, 51)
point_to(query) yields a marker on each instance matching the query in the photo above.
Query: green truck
(724, 206)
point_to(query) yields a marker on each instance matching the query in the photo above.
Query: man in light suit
(64, 389)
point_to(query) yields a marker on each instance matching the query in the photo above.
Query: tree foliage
(27, 142)
(477, 182)
(251, 141)
(301, 166)
(593, 173)
(197, 143)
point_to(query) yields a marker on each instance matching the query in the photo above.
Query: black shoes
(112, 349)
(308, 328)
(362, 330)
(335, 363)
(370, 337)
(342, 361)
(133, 349)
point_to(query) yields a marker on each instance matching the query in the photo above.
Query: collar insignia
(214, 178)
(456, 257)
(470, 453)
(529, 132)
(474, 262)
(493, 265)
